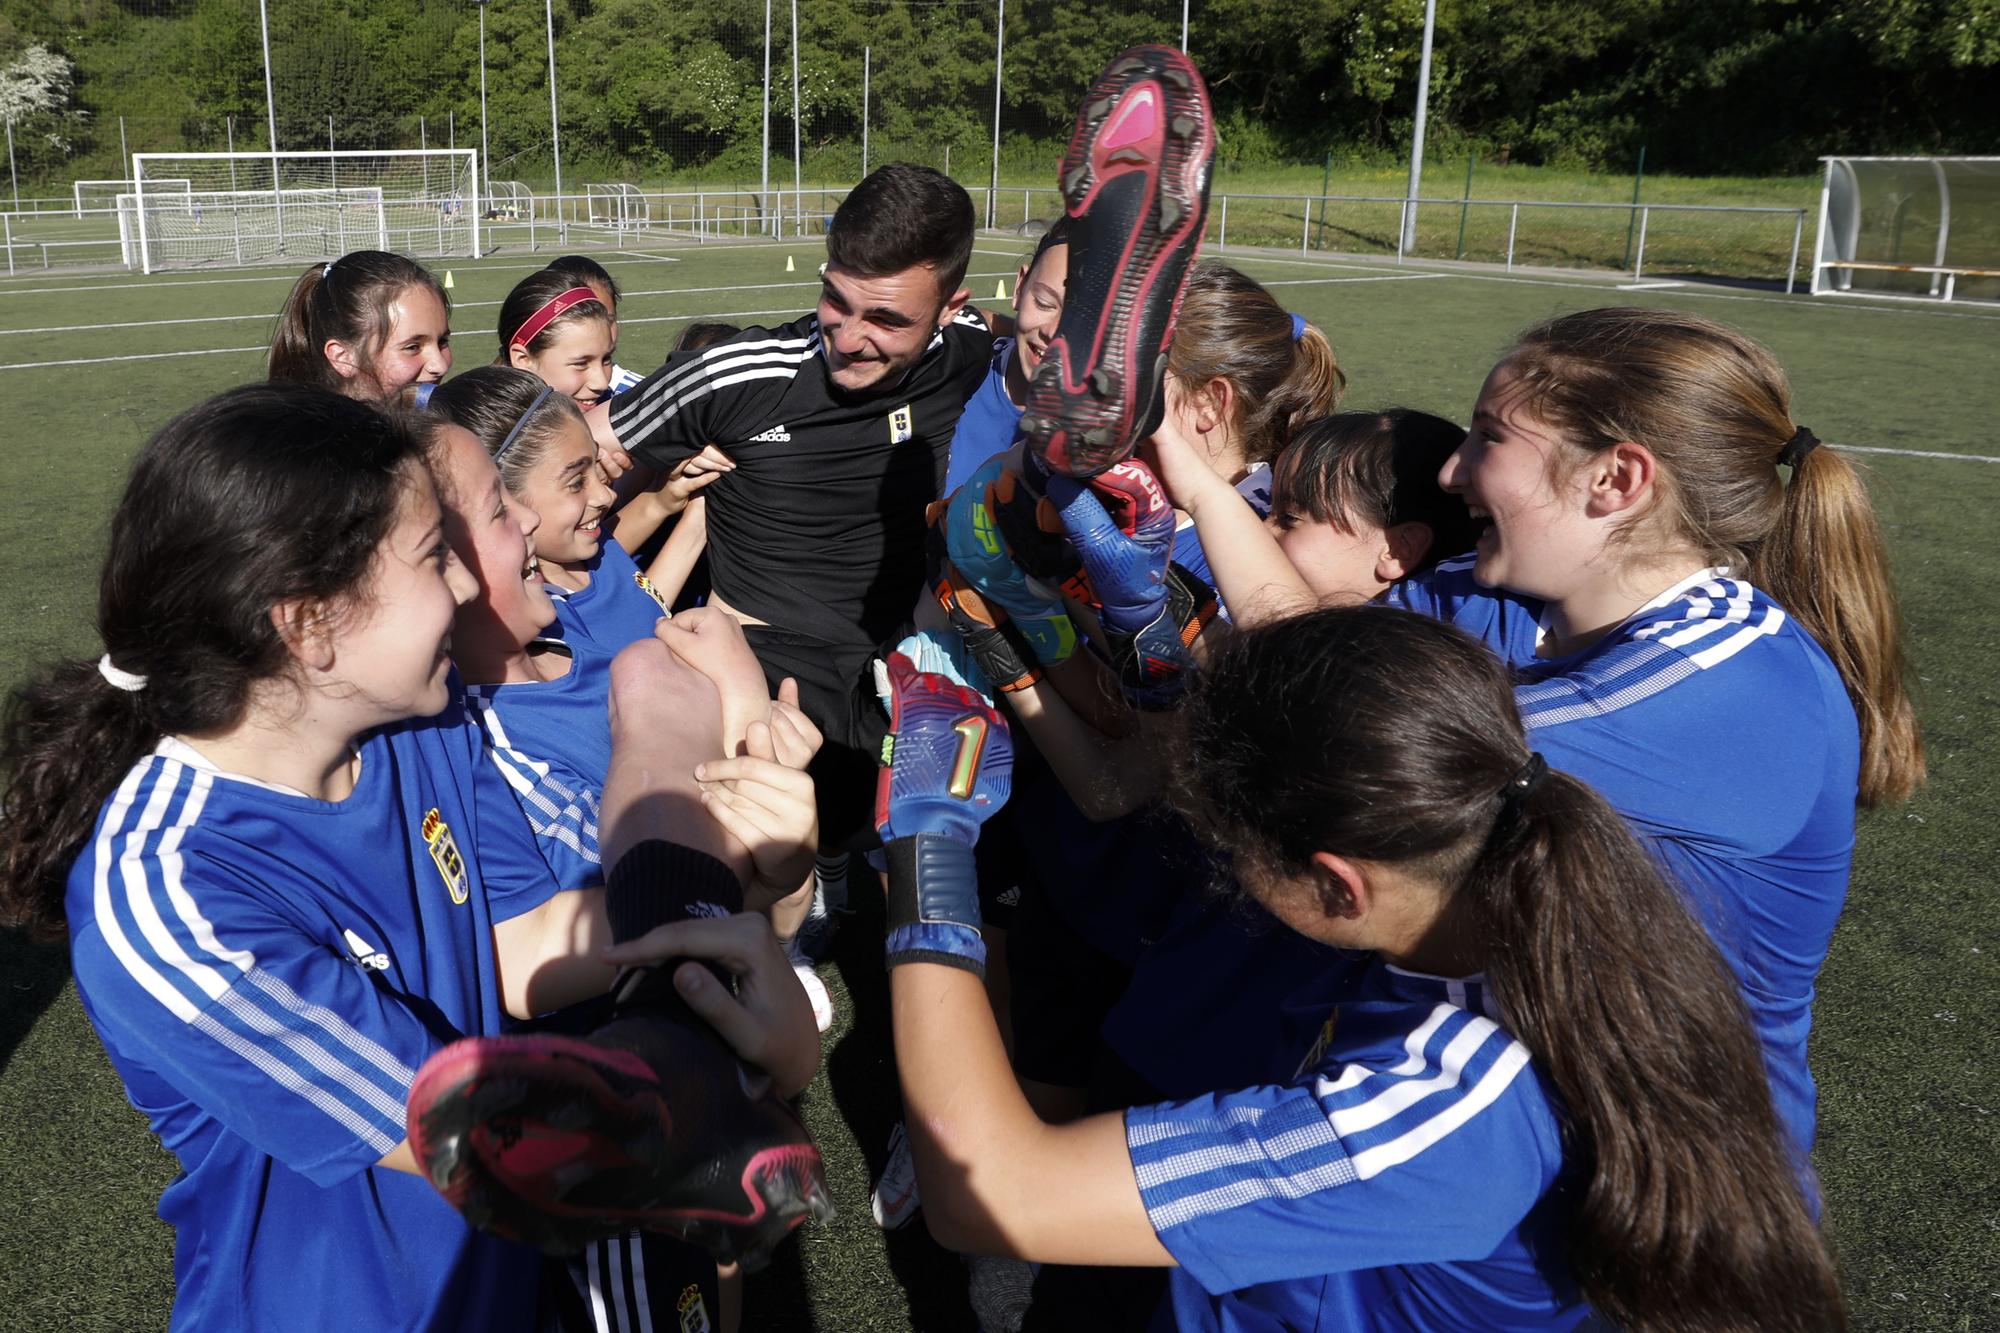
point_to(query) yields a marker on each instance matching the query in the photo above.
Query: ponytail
(1390, 738)
(260, 495)
(1283, 376)
(68, 740)
(1620, 996)
(1714, 407)
(350, 300)
(1826, 563)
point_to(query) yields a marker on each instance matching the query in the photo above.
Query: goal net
(618, 205)
(246, 208)
(1921, 227)
(102, 196)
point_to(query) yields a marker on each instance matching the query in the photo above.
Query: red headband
(546, 316)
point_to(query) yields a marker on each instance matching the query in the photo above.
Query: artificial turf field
(1909, 1138)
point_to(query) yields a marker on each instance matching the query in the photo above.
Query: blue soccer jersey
(1255, 488)
(551, 741)
(987, 426)
(1722, 732)
(267, 972)
(619, 606)
(1509, 624)
(1399, 1178)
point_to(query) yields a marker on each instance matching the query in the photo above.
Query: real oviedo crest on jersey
(444, 854)
(902, 425)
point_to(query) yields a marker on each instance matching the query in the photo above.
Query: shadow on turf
(35, 974)
(861, 1071)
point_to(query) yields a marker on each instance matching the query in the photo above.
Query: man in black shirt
(839, 424)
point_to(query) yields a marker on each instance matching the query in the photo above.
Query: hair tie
(515, 433)
(1794, 453)
(1525, 780)
(541, 319)
(326, 271)
(420, 395)
(119, 680)
(1298, 327)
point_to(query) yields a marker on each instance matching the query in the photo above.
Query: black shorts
(837, 691)
(643, 1282)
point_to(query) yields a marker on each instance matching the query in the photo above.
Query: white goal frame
(115, 188)
(446, 184)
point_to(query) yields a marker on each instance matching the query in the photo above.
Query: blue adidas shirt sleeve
(1662, 737)
(189, 971)
(521, 865)
(1432, 1160)
(1506, 623)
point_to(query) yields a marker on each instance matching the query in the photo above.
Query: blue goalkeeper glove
(946, 767)
(1152, 610)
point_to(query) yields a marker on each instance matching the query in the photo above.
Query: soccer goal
(102, 196)
(248, 208)
(618, 206)
(1921, 228)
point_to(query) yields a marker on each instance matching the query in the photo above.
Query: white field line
(456, 306)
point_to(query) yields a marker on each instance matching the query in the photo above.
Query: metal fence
(1657, 241)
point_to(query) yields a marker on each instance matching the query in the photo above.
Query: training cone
(447, 280)
(790, 267)
(1000, 291)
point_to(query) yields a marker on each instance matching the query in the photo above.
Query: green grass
(1909, 998)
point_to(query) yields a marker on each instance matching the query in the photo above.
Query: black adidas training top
(820, 529)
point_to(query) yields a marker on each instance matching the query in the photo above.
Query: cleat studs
(1170, 212)
(1098, 437)
(1078, 177)
(1129, 153)
(1182, 126)
(1125, 66)
(1098, 110)
(1178, 77)
(1103, 383)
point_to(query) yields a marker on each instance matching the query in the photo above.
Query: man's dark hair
(901, 216)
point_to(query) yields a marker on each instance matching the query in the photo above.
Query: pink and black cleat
(1135, 180)
(650, 1122)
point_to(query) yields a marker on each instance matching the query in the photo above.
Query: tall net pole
(764, 189)
(1417, 130)
(555, 122)
(865, 52)
(270, 116)
(999, 55)
(798, 122)
(485, 187)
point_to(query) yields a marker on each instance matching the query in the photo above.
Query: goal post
(1919, 228)
(102, 196)
(252, 207)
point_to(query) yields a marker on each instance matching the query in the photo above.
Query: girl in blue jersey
(583, 271)
(1524, 1089)
(369, 325)
(537, 437)
(993, 413)
(542, 699)
(556, 327)
(279, 854)
(1696, 598)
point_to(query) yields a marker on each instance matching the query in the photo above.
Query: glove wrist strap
(934, 903)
